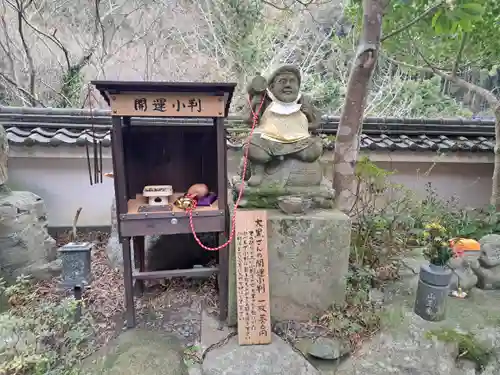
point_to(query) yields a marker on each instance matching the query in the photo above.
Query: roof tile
(387, 137)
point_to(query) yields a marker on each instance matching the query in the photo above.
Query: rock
(408, 353)
(328, 348)
(403, 347)
(377, 297)
(308, 262)
(25, 245)
(277, 358)
(467, 366)
(46, 271)
(493, 368)
(138, 352)
(212, 332)
(195, 370)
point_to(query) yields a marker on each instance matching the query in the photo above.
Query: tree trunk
(495, 186)
(351, 120)
(4, 155)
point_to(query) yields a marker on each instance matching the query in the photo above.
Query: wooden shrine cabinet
(180, 141)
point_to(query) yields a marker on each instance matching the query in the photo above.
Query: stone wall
(25, 245)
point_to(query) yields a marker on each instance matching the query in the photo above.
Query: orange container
(460, 245)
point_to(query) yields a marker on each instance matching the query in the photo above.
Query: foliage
(459, 221)
(216, 40)
(358, 317)
(468, 346)
(382, 215)
(441, 31)
(455, 36)
(72, 85)
(389, 218)
(41, 336)
(416, 98)
(437, 249)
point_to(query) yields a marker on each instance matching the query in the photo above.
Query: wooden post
(252, 278)
(224, 236)
(121, 208)
(140, 261)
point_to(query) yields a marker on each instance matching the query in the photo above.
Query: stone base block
(266, 197)
(308, 263)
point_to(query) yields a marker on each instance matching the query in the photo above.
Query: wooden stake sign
(252, 278)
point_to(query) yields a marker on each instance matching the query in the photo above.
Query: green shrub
(389, 218)
(40, 337)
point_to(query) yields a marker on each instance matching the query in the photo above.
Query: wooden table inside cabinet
(135, 226)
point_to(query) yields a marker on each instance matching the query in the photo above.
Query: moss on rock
(138, 352)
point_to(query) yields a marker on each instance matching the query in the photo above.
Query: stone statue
(284, 152)
(487, 266)
(463, 276)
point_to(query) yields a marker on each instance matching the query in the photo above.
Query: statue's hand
(311, 113)
(257, 85)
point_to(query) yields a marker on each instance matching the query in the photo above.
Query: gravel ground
(173, 306)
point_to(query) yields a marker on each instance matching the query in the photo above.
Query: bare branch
(7, 46)
(26, 93)
(20, 9)
(52, 37)
(459, 55)
(412, 22)
(302, 3)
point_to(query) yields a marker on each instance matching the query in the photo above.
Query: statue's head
(284, 83)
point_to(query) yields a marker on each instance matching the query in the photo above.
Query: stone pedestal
(266, 196)
(308, 263)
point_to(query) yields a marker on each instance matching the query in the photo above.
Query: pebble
(328, 348)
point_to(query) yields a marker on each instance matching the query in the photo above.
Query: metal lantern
(76, 268)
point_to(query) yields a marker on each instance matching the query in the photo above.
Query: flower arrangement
(437, 249)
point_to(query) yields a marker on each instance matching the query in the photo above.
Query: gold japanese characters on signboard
(167, 105)
(252, 278)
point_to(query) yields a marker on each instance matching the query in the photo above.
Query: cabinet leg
(140, 262)
(127, 280)
(222, 278)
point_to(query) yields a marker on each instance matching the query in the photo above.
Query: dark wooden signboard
(167, 105)
(252, 278)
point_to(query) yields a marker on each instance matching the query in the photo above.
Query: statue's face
(285, 87)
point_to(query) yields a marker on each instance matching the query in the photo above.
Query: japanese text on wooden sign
(167, 105)
(252, 278)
